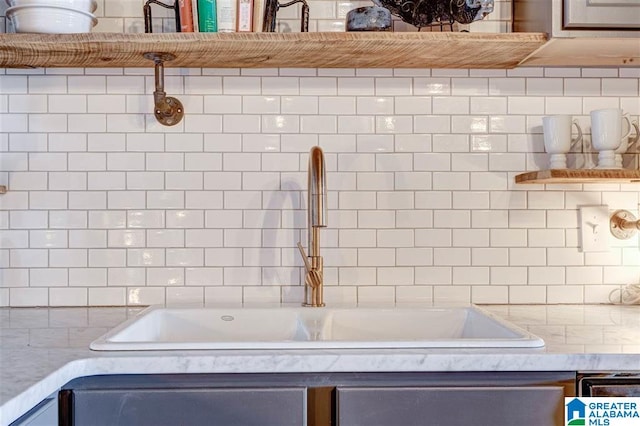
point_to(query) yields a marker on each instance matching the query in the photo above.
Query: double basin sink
(158, 328)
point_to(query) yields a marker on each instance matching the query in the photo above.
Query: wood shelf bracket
(168, 110)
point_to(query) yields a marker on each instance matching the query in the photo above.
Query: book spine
(194, 14)
(207, 16)
(226, 10)
(258, 15)
(186, 16)
(245, 16)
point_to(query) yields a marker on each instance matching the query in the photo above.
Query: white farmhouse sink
(305, 328)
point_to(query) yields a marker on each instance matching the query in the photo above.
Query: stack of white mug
(606, 137)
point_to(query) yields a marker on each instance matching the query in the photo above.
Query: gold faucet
(316, 219)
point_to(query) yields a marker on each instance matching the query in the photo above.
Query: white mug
(557, 138)
(625, 145)
(606, 135)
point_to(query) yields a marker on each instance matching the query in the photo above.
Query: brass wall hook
(168, 110)
(623, 224)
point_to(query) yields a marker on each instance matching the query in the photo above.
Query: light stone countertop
(41, 349)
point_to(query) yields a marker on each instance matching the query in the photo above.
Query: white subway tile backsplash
(565, 294)
(28, 219)
(489, 294)
(22, 277)
(413, 105)
(357, 238)
(562, 219)
(21, 239)
(527, 256)
(125, 200)
(87, 277)
(432, 124)
(106, 181)
(452, 294)
(68, 258)
(564, 256)
(28, 296)
(481, 256)
(514, 276)
(469, 86)
(527, 294)
(450, 105)
(507, 86)
(28, 103)
(122, 277)
(415, 294)
(620, 87)
(545, 86)
(546, 238)
(370, 105)
(397, 200)
(546, 275)
(396, 238)
(28, 258)
(397, 86)
(356, 124)
(165, 277)
(165, 199)
(43, 277)
(377, 219)
(107, 258)
(451, 256)
(455, 181)
(14, 122)
(106, 296)
(145, 257)
(40, 200)
(107, 207)
(368, 294)
(45, 239)
(488, 105)
(145, 296)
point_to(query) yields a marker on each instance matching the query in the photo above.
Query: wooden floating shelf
(271, 50)
(587, 52)
(580, 176)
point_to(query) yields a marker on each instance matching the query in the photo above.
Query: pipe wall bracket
(167, 109)
(623, 224)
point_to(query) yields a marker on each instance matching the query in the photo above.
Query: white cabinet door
(604, 14)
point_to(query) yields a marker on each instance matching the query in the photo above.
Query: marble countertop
(42, 349)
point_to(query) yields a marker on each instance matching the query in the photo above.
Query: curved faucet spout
(316, 219)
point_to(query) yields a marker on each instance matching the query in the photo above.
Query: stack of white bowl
(52, 16)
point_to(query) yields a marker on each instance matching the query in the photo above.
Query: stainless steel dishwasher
(609, 384)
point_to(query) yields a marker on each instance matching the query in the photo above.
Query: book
(258, 15)
(244, 19)
(207, 16)
(186, 16)
(226, 10)
(194, 14)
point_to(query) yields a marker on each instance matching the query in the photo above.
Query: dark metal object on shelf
(271, 9)
(146, 9)
(424, 13)
(369, 18)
